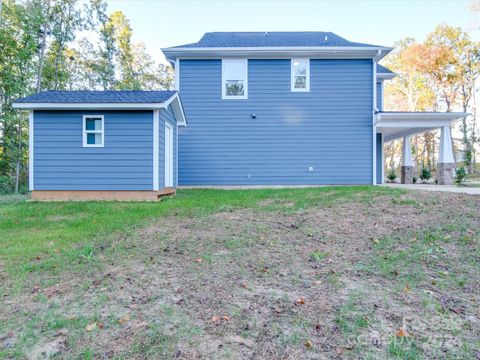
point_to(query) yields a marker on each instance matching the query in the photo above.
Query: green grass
(39, 230)
(65, 265)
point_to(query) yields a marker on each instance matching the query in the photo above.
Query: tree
(41, 48)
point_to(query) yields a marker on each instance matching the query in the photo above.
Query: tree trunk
(43, 45)
(18, 162)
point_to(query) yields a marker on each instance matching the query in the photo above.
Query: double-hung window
(234, 78)
(300, 74)
(93, 130)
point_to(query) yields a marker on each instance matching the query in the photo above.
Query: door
(168, 155)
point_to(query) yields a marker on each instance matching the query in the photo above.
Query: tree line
(438, 74)
(62, 45)
(78, 45)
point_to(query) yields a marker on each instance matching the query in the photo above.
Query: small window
(93, 130)
(300, 74)
(234, 79)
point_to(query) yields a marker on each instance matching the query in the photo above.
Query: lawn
(331, 272)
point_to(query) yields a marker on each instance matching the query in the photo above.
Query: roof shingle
(99, 97)
(271, 39)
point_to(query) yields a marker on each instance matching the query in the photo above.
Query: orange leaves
(300, 301)
(219, 319)
(123, 319)
(402, 332)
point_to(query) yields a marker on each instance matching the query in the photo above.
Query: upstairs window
(93, 131)
(300, 71)
(234, 79)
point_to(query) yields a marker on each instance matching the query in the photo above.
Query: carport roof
(397, 124)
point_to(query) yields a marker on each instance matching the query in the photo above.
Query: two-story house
(257, 109)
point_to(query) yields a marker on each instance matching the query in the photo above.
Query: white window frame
(292, 75)
(85, 131)
(224, 88)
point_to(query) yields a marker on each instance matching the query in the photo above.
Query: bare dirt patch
(396, 277)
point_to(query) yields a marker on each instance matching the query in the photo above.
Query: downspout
(374, 135)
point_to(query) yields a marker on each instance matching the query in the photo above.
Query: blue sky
(163, 23)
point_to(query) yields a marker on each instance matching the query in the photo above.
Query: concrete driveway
(444, 188)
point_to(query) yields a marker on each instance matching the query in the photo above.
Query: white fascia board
(332, 52)
(174, 100)
(88, 106)
(418, 116)
(385, 76)
(177, 108)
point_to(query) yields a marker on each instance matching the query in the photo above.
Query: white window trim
(245, 96)
(292, 75)
(85, 117)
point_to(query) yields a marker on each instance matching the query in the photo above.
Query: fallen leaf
(401, 333)
(91, 327)
(216, 319)
(308, 344)
(142, 324)
(123, 319)
(225, 318)
(244, 285)
(100, 325)
(198, 260)
(277, 309)
(407, 288)
(300, 301)
(35, 289)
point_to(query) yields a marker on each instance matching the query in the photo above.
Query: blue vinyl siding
(328, 128)
(379, 157)
(166, 115)
(379, 96)
(62, 163)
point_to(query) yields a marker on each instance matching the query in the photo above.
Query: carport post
(446, 161)
(407, 164)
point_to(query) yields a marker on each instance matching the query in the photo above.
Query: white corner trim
(245, 95)
(30, 150)
(177, 74)
(383, 95)
(292, 75)
(84, 131)
(156, 121)
(175, 183)
(374, 128)
(383, 160)
(169, 156)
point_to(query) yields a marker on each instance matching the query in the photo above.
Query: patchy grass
(293, 273)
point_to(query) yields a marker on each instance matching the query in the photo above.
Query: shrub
(460, 175)
(6, 185)
(391, 175)
(414, 179)
(425, 175)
